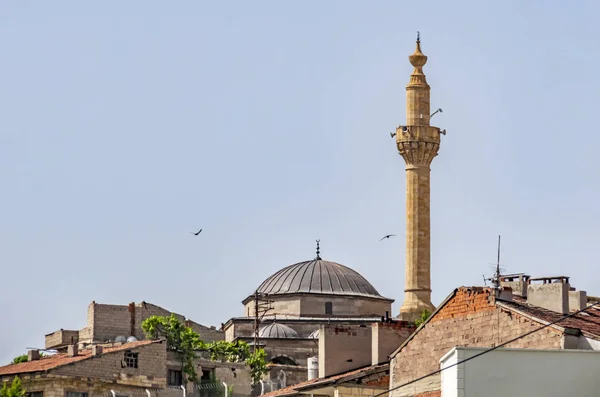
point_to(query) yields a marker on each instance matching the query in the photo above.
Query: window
(283, 360)
(76, 394)
(207, 375)
(328, 308)
(174, 378)
(35, 394)
(131, 360)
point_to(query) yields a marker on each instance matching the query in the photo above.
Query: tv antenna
(495, 279)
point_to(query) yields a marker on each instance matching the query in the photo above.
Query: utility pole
(255, 320)
(258, 316)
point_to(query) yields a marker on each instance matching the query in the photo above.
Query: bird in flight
(388, 236)
(199, 231)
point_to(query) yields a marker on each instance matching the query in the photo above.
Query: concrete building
(418, 143)
(520, 372)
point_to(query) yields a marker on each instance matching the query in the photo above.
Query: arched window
(328, 308)
(283, 360)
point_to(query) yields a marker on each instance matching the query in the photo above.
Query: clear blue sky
(127, 125)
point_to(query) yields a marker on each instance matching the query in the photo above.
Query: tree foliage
(15, 389)
(186, 343)
(424, 316)
(22, 358)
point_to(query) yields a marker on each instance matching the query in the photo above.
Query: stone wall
(355, 391)
(151, 371)
(57, 386)
(314, 306)
(470, 318)
(297, 350)
(386, 338)
(281, 305)
(343, 349)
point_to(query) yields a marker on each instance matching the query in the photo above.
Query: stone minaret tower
(418, 143)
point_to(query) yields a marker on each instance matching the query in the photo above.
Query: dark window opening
(328, 308)
(282, 360)
(76, 394)
(131, 359)
(174, 378)
(35, 394)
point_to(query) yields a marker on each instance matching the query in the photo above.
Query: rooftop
(58, 360)
(353, 376)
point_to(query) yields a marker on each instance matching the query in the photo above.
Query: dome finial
(318, 251)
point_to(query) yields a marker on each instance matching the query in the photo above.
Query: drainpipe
(284, 378)
(184, 392)
(226, 391)
(262, 387)
(148, 393)
(113, 393)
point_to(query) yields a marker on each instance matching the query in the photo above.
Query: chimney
(516, 282)
(96, 350)
(577, 300)
(552, 294)
(33, 355)
(72, 350)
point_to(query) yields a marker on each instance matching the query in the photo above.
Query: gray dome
(276, 330)
(318, 277)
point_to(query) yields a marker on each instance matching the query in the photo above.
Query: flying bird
(199, 231)
(388, 236)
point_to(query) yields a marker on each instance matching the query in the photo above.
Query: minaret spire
(418, 143)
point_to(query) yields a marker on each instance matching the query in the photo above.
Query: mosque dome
(277, 330)
(318, 277)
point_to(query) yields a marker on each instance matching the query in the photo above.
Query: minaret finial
(318, 250)
(418, 37)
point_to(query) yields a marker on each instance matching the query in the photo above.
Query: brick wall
(61, 338)
(207, 334)
(109, 321)
(151, 371)
(470, 318)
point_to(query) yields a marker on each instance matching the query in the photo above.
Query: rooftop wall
(521, 372)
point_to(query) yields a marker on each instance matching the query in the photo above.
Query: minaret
(418, 143)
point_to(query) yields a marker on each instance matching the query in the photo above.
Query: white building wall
(521, 372)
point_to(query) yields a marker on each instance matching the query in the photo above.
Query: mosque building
(286, 311)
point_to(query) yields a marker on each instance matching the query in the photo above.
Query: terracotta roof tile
(58, 360)
(314, 382)
(587, 322)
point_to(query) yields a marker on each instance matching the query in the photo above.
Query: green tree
(22, 358)
(186, 343)
(15, 389)
(424, 316)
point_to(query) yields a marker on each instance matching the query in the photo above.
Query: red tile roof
(587, 322)
(58, 360)
(328, 380)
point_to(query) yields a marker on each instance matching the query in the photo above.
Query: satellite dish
(120, 339)
(131, 339)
